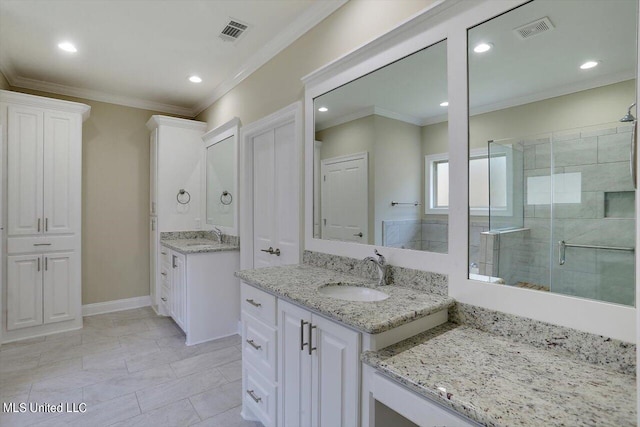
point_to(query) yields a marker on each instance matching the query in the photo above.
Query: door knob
(359, 234)
(271, 251)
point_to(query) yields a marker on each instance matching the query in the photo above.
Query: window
(485, 189)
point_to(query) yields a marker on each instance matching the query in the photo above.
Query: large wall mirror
(221, 177)
(551, 195)
(381, 173)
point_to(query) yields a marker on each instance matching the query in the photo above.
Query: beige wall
(277, 83)
(115, 201)
(586, 108)
(356, 136)
(4, 84)
(394, 149)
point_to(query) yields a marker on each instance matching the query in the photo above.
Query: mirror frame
(212, 137)
(450, 20)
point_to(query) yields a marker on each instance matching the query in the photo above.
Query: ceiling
(141, 52)
(514, 72)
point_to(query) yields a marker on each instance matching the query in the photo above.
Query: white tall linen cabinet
(41, 214)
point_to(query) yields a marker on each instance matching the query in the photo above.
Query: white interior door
(61, 172)
(25, 174)
(24, 291)
(345, 198)
(59, 290)
(264, 224)
(275, 197)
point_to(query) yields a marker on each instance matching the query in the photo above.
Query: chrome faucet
(382, 265)
(218, 233)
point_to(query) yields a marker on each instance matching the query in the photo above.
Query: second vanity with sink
(304, 329)
(198, 287)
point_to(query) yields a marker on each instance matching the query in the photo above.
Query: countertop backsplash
(614, 354)
(199, 234)
(425, 281)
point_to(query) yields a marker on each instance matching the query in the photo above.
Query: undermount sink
(348, 292)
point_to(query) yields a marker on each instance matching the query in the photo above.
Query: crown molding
(158, 120)
(42, 102)
(96, 95)
(296, 29)
(235, 122)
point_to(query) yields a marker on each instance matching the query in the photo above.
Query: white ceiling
(141, 52)
(514, 72)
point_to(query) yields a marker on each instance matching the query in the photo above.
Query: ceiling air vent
(233, 30)
(534, 28)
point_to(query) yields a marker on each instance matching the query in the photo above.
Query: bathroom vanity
(302, 340)
(198, 288)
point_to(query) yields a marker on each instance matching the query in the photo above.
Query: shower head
(629, 117)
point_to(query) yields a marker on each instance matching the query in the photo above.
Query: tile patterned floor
(131, 368)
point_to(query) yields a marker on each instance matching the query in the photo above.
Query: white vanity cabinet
(43, 142)
(200, 292)
(316, 379)
(319, 370)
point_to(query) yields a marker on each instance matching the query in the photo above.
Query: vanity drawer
(164, 298)
(165, 256)
(258, 303)
(259, 345)
(260, 396)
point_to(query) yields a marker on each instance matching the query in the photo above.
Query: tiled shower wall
(599, 213)
(429, 235)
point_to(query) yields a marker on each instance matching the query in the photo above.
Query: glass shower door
(593, 214)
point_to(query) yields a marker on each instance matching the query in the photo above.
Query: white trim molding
(156, 121)
(117, 305)
(42, 102)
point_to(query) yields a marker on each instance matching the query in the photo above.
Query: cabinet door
(25, 176)
(24, 291)
(179, 290)
(60, 287)
(294, 366)
(62, 172)
(335, 374)
(153, 262)
(153, 163)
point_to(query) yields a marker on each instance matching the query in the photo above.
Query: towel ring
(226, 198)
(182, 192)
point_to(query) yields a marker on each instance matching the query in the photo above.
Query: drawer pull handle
(253, 303)
(42, 244)
(163, 299)
(254, 345)
(163, 253)
(253, 396)
(164, 274)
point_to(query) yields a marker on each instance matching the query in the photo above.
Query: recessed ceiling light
(482, 47)
(444, 104)
(323, 109)
(195, 79)
(67, 47)
(589, 64)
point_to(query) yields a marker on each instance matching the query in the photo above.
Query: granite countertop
(498, 382)
(196, 246)
(299, 284)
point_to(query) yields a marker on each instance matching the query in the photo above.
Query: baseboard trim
(117, 305)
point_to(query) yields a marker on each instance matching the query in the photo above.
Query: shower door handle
(633, 164)
(561, 252)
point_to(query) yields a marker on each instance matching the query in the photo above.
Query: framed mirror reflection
(380, 156)
(551, 133)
